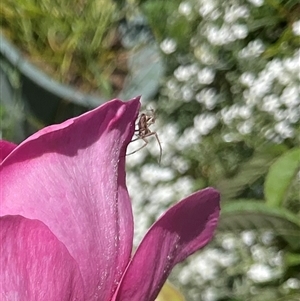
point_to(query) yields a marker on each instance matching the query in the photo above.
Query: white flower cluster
(253, 49)
(273, 91)
(276, 91)
(264, 102)
(262, 263)
(267, 100)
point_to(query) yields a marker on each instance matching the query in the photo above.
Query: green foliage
(228, 116)
(71, 40)
(248, 172)
(270, 215)
(280, 177)
(240, 215)
(231, 96)
(248, 214)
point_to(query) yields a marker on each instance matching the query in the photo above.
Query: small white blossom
(293, 283)
(261, 87)
(270, 103)
(220, 36)
(168, 46)
(229, 242)
(247, 79)
(207, 8)
(187, 93)
(256, 2)
(296, 28)
(253, 49)
(207, 97)
(240, 31)
(153, 174)
(189, 137)
(205, 55)
(185, 8)
(284, 129)
(206, 76)
(245, 128)
(293, 115)
(234, 12)
(184, 73)
(290, 96)
(260, 273)
(204, 123)
(248, 237)
(209, 294)
(245, 112)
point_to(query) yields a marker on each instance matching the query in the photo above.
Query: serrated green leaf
(256, 215)
(280, 177)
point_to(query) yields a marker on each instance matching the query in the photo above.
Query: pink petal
(71, 176)
(34, 265)
(6, 147)
(183, 229)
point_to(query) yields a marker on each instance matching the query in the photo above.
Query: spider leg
(137, 138)
(158, 141)
(160, 148)
(146, 142)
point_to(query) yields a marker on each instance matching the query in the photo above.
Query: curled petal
(183, 229)
(71, 176)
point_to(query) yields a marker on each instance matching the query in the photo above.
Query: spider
(145, 121)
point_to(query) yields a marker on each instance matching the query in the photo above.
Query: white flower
(284, 129)
(189, 137)
(207, 8)
(271, 103)
(220, 36)
(293, 283)
(247, 79)
(260, 273)
(253, 49)
(206, 76)
(185, 8)
(208, 97)
(187, 93)
(234, 12)
(168, 45)
(184, 73)
(296, 28)
(256, 2)
(248, 237)
(245, 127)
(290, 96)
(240, 31)
(204, 123)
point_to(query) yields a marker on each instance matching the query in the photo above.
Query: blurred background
(223, 78)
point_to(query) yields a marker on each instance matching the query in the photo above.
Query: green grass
(74, 41)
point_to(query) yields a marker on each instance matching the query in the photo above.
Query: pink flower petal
(33, 263)
(182, 230)
(71, 177)
(6, 148)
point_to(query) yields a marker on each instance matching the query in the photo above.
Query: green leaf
(280, 177)
(290, 297)
(292, 259)
(244, 214)
(249, 171)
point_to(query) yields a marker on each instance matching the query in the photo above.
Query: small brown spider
(145, 121)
